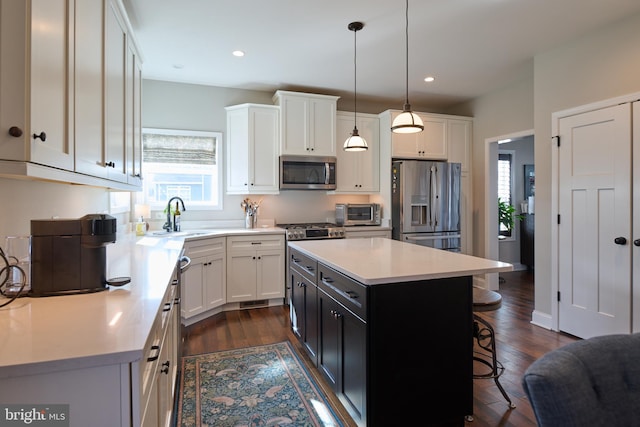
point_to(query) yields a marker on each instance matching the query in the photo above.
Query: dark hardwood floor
(519, 343)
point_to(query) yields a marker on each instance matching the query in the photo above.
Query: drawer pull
(165, 367)
(167, 306)
(157, 355)
(42, 136)
(351, 294)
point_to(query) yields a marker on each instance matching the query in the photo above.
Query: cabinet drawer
(204, 247)
(244, 243)
(306, 266)
(343, 289)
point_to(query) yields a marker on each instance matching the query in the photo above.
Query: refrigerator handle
(435, 202)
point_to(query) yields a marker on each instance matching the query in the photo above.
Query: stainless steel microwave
(307, 173)
(348, 214)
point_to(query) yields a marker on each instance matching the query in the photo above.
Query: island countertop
(379, 260)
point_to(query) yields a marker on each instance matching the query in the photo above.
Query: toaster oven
(352, 214)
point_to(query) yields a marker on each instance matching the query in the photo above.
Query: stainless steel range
(307, 231)
(313, 231)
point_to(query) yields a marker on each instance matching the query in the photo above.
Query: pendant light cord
(406, 34)
(355, 79)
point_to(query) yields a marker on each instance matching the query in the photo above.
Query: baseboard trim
(541, 319)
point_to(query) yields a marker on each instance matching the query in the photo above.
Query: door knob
(620, 241)
(636, 242)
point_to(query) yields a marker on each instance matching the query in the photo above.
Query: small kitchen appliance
(352, 214)
(68, 256)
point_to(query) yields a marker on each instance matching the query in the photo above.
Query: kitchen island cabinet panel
(436, 315)
(304, 302)
(342, 356)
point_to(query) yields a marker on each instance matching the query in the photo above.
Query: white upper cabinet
(459, 142)
(116, 53)
(430, 144)
(307, 123)
(89, 130)
(37, 127)
(252, 149)
(358, 171)
(83, 110)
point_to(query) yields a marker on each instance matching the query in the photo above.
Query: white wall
(601, 65)
(26, 200)
(195, 107)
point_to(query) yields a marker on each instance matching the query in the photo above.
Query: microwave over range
(307, 173)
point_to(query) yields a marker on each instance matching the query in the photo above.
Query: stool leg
(486, 332)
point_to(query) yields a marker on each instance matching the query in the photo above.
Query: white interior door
(594, 265)
(636, 218)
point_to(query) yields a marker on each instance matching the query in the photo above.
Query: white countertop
(378, 260)
(68, 332)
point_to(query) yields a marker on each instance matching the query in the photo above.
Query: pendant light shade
(355, 142)
(407, 121)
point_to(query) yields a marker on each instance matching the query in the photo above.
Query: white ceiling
(471, 46)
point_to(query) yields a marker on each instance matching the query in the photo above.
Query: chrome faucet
(167, 225)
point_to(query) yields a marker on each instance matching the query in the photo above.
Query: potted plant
(507, 217)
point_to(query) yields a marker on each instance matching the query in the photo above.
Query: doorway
(491, 241)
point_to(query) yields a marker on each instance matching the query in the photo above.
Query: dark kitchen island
(389, 325)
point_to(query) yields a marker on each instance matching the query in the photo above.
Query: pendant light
(355, 142)
(407, 121)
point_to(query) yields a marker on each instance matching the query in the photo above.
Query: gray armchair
(592, 382)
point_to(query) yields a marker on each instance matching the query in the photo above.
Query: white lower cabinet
(255, 267)
(203, 283)
(158, 368)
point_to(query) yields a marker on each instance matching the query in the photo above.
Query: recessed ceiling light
(238, 53)
(429, 79)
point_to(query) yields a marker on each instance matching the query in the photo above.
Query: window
(505, 184)
(182, 163)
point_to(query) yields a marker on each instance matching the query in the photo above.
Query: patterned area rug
(266, 385)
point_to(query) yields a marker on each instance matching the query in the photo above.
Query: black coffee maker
(69, 256)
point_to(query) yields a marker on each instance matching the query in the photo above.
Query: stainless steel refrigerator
(425, 203)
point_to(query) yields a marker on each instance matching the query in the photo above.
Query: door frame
(491, 209)
(555, 182)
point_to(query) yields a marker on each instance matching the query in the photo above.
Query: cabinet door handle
(167, 306)
(165, 367)
(620, 241)
(155, 348)
(15, 131)
(110, 164)
(42, 136)
(636, 242)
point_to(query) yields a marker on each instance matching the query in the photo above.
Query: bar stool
(486, 300)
